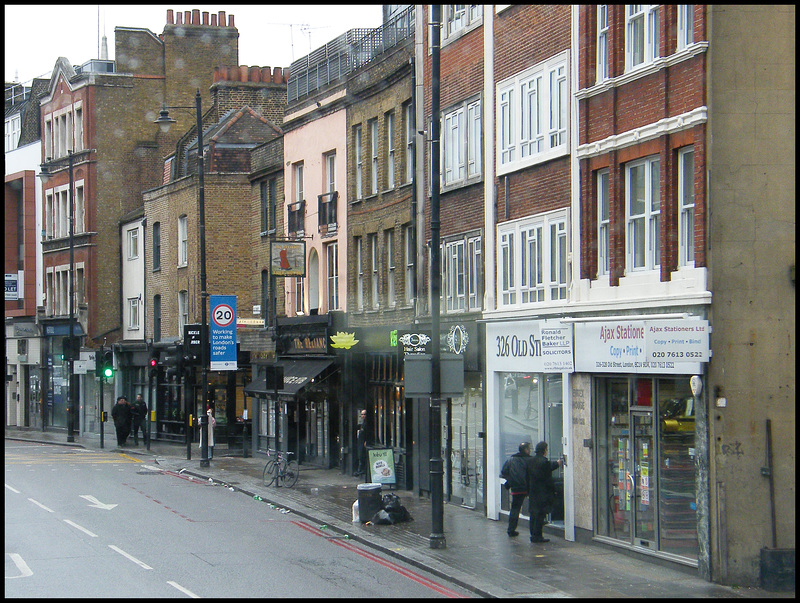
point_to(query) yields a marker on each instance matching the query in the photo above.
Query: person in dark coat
(121, 413)
(515, 471)
(361, 443)
(542, 490)
(138, 419)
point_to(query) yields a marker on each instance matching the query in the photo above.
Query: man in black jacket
(121, 414)
(515, 471)
(542, 490)
(138, 418)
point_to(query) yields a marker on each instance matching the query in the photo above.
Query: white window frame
(685, 25)
(391, 302)
(533, 260)
(373, 146)
(299, 182)
(359, 164)
(183, 310)
(533, 115)
(603, 223)
(299, 296)
(183, 241)
(360, 273)
(330, 172)
(410, 259)
(374, 261)
(133, 244)
(461, 144)
(458, 19)
(474, 273)
(390, 150)
(686, 207)
(13, 130)
(79, 215)
(642, 223)
(49, 213)
(409, 111)
(332, 268)
(133, 313)
(602, 43)
(454, 276)
(642, 35)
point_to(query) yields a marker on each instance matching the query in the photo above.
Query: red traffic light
(153, 363)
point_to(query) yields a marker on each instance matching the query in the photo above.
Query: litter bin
(369, 501)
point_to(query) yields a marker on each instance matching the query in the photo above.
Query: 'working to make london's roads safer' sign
(222, 333)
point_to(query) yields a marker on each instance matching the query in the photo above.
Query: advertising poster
(381, 466)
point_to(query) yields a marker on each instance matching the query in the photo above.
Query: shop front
(647, 432)
(300, 412)
(528, 367)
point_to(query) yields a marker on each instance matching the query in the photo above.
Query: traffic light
(154, 361)
(70, 349)
(173, 360)
(108, 364)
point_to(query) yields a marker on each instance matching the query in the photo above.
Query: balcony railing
(326, 210)
(348, 52)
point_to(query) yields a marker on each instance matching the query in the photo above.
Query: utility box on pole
(417, 375)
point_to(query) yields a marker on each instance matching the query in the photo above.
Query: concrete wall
(751, 261)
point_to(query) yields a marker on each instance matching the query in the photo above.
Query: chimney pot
(255, 74)
(170, 17)
(195, 16)
(266, 75)
(230, 21)
(179, 19)
(277, 75)
(205, 17)
(187, 17)
(213, 20)
(222, 18)
(243, 70)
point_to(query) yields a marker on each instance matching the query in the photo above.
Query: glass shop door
(642, 477)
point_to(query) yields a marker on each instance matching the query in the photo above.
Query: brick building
(103, 111)
(23, 253)
(172, 267)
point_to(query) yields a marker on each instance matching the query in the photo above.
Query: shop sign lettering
(531, 346)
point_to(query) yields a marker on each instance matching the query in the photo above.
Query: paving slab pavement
(478, 556)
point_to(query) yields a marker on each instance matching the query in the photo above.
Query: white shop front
(528, 367)
(646, 426)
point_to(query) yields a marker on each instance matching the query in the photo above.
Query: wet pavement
(478, 555)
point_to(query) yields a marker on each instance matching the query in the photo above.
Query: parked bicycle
(280, 470)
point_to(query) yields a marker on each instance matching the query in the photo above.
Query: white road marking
(96, 503)
(36, 502)
(186, 591)
(131, 557)
(81, 528)
(24, 570)
(12, 489)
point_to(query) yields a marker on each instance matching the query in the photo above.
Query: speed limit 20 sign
(222, 333)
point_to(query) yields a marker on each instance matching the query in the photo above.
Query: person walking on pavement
(542, 490)
(121, 413)
(361, 443)
(138, 418)
(515, 471)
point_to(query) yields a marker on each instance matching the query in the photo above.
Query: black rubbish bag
(392, 512)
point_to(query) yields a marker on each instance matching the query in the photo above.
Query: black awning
(297, 374)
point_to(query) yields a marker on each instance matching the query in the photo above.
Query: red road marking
(385, 563)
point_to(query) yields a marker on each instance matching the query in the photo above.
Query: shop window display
(646, 478)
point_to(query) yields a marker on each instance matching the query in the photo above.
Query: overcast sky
(269, 35)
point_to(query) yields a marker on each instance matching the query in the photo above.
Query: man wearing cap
(542, 490)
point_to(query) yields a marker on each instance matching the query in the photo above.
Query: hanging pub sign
(287, 258)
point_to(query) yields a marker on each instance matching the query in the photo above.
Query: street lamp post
(165, 121)
(69, 356)
(437, 538)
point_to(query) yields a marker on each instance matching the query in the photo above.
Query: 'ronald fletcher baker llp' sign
(222, 333)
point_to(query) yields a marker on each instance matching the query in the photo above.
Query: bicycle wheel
(270, 472)
(291, 474)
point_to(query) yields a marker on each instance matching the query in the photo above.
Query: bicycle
(280, 470)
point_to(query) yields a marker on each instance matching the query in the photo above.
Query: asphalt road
(81, 523)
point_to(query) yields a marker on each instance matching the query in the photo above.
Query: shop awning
(297, 374)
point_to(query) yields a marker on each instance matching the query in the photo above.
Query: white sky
(269, 35)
